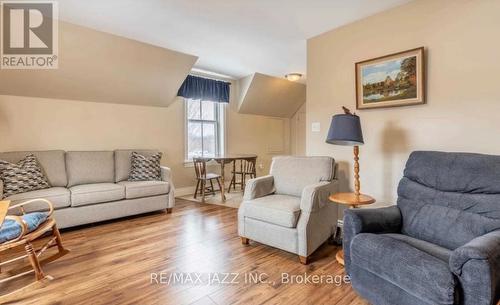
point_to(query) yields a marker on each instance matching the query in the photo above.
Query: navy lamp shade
(345, 129)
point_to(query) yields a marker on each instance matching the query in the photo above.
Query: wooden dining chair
(246, 168)
(21, 230)
(202, 177)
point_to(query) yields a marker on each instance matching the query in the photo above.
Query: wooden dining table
(222, 160)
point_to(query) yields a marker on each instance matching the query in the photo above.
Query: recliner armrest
(315, 196)
(477, 266)
(259, 187)
(484, 248)
(381, 220)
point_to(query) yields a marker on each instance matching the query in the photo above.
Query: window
(204, 128)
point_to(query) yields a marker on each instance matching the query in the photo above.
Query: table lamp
(345, 129)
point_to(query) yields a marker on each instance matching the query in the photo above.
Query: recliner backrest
(293, 174)
(450, 198)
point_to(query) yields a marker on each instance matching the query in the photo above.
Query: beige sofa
(92, 186)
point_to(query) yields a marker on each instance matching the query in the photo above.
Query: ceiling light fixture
(293, 77)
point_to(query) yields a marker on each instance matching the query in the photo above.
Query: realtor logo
(29, 35)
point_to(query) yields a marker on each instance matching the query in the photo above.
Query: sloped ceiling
(271, 96)
(100, 67)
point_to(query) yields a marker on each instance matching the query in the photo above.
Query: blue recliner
(440, 244)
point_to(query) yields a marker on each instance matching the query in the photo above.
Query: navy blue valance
(205, 89)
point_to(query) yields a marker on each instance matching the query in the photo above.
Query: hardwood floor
(112, 263)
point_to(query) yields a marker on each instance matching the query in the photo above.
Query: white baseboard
(184, 191)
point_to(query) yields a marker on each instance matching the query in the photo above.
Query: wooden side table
(352, 200)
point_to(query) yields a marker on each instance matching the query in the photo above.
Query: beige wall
(28, 123)
(298, 132)
(463, 96)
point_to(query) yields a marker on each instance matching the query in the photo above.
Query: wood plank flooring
(111, 263)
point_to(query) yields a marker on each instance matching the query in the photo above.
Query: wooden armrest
(4, 207)
(20, 205)
(22, 223)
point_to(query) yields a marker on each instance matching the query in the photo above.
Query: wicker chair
(21, 230)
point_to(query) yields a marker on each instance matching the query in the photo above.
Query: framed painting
(392, 80)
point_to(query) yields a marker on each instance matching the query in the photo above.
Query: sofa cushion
(86, 167)
(137, 189)
(86, 194)
(282, 210)
(51, 161)
(58, 196)
(123, 162)
(145, 168)
(394, 260)
(293, 174)
(23, 176)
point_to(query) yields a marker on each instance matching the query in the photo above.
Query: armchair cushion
(400, 263)
(293, 174)
(10, 229)
(280, 210)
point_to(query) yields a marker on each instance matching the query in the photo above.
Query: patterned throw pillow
(22, 177)
(145, 168)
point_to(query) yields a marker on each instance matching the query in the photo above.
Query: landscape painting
(392, 80)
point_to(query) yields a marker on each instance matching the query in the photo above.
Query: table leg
(222, 189)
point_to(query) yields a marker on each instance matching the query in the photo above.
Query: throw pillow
(145, 168)
(25, 176)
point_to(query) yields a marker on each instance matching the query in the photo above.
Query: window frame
(219, 125)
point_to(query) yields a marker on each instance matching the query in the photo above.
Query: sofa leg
(244, 241)
(169, 210)
(303, 260)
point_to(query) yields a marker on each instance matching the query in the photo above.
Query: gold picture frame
(392, 80)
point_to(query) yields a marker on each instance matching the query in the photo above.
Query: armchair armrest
(315, 196)
(259, 187)
(382, 220)
(1, 189)
(477, 266)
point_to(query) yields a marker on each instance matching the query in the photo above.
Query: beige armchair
(289, 209)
